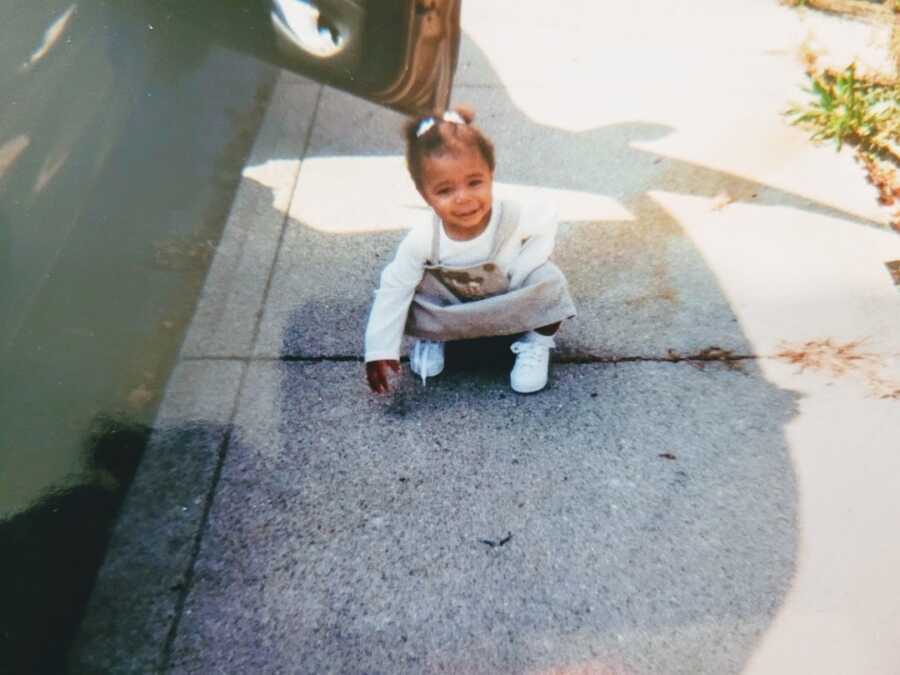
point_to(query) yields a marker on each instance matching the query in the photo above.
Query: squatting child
(480, 268)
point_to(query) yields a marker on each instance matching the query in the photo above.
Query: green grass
(845, 108)
(863, 113)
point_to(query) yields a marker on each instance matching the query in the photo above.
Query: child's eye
(474, 183)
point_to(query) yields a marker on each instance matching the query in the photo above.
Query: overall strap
(435, 258)
(509, 221)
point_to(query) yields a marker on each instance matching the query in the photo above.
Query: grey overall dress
(473, 301)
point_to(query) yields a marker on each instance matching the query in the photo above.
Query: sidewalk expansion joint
(181, 601)
(702, 357)
(172, 634)
(272, 359)
(706, 356)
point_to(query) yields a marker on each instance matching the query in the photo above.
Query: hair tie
(428, 122)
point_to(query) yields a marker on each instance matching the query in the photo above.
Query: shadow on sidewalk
(641, 285)
(634, 517)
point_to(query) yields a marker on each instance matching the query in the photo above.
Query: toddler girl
(481, 268)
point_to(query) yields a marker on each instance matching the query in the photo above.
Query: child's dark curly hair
(442, 138)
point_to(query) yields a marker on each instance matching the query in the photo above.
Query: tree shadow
(647, 508)
(652, 505)
(624, 250)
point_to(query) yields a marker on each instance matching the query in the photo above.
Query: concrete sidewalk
(708, 485)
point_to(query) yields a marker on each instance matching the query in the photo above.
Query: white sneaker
(529, 374)
(426, 359)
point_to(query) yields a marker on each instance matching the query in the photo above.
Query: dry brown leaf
(838, 360)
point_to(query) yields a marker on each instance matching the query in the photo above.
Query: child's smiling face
(458, 186)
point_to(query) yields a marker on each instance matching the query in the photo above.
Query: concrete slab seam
(570, 359)
(226, 440)
(575, 359)
(198, 539)
(284, 224)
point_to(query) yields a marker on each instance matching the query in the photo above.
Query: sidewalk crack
(710, 354)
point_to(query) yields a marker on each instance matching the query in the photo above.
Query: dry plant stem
(885, 181)
(875, 79)
(879, 150)
(895, 33)
(887, 11)
(857, 8)
(825, 355)
(883, 178)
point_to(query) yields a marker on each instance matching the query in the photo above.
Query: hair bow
(428, 122)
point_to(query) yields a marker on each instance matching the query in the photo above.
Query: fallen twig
(502, 542)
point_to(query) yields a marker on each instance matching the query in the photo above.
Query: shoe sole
(528, 391)
(418, 374)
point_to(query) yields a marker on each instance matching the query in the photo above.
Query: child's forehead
(454, 161)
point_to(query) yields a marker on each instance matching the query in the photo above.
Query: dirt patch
(841, 360)
(724, 356)
(829, 357)
(893, 268)
(665, 293)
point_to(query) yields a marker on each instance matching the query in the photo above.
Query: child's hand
(378, 372)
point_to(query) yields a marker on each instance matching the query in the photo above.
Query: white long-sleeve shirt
(528, 248)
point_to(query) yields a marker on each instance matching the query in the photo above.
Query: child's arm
(384, 332)
(537, 225)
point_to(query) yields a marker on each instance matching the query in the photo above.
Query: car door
(399, 53)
